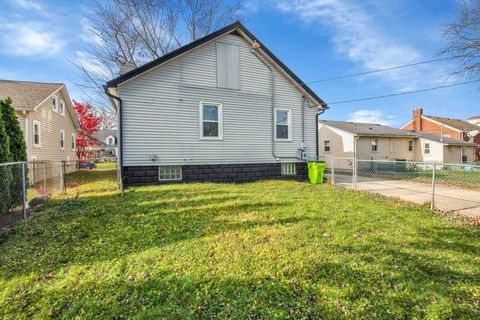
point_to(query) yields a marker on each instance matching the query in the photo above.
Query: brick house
(444, 127)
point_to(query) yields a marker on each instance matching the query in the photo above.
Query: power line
(380, 70)
(403, 93)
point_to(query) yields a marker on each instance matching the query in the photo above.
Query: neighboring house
(446, 127)
(46, 116)
(107, 144)
(367, 141)
(222, 108)
(474, 120)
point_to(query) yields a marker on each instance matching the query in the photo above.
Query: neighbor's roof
(102, 135)
(378, 130)
(236, 26)
(369, 129)
(27, 95)
(474, 118)
(455, 123)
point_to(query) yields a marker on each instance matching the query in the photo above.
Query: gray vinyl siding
(228, 66)
(161, 112)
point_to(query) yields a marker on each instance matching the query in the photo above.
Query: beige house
(367, 141)
(46, 116)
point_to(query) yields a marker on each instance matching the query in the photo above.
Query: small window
(327, 146)
(55, 104)
(426, 148)
(110, 141)
(289, 169)
(73, 141)
(62, 139)
(283, 124)
(392, 143)
(410, 145)
(170, 173)
(37, 142)
(62, 107)
(211, 121)
(374, 143)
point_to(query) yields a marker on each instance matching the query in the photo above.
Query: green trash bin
(316, 169)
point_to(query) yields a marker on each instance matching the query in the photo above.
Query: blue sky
(317, 39)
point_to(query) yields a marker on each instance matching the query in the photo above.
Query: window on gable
(110, 141)
(55, 104)
(62, 139)
(36, 134)
(228, 66)
(62, 107)
(211, 122)
(327, 146)
(73, 141)
(283, 124)
(374, 143)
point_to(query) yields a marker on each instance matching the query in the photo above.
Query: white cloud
(29, 39)
(370, 116)
(357, 36)
(91, 65)
(30, 5)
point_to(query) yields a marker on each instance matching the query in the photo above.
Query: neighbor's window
(110, 141)
(283, 124)
(327, 146)
(410, 145)
(426, 148)
(73, 141)
(62, 107)
(62, 139)
(36, 134)
(289, 168)
(211, 122)
(169, 173)
(55, 104)
(374, 145)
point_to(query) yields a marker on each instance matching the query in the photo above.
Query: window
(62, 107)
(426, 148)
(283, 124)
(374, 143)
(327, 146)
(211, 121)
(62, 139)
(289, 169)
(170, 173)
(37, 141)
(410, 145)
(392, 143)
(228, 66)
(55, 104)
(110, 141)
(73, 141)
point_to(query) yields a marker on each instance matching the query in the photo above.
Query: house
(222, 108)
(475, 120)
(368, 141)
(47, 118)
(446, 127)
(106, 144)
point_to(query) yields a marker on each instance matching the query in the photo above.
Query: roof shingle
(27, 95)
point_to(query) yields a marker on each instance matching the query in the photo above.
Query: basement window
(289, 169)
(169, 173)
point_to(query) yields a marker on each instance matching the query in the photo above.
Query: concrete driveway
(447, 198)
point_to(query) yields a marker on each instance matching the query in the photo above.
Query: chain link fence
(24, 184)
(453, 188)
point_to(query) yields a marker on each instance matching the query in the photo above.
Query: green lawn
(271, 249)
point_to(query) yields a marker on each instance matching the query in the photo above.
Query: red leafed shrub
(89, 123)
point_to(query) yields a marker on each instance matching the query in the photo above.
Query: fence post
(24, 192)
(432, 204)
(44, 178)
(62, 176)
(354, 173)
(333, 170)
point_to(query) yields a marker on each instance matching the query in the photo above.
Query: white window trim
(39, 144)
(289, 120)
(62, 135)
(288, 168)
(55, 106)
(371, 144)
(330, 146)
(220, 120)
(425, 148)
(178, 178)
(62, 108)
(73, 142)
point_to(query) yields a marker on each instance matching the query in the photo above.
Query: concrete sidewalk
(447, 198)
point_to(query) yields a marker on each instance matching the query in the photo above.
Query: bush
(5, 171)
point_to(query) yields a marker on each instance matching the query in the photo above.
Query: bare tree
(108, 119)
(128, 33)
(463, 40)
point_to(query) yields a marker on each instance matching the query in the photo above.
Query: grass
(271, 249)
(467, 179)
(106, 165)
